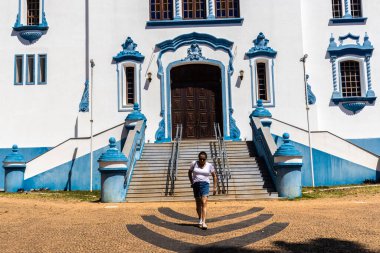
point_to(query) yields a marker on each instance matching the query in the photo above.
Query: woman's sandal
(204, 226)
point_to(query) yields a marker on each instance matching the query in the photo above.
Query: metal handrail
(173, 164)
(178, 143)
(225, 156)
(222, 159)
(220, 174)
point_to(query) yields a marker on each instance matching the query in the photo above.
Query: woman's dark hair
(202, 153)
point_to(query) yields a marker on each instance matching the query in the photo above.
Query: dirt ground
(348, 224)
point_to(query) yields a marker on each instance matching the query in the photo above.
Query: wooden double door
(196, 100)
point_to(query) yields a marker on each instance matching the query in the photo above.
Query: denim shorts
(201, 189)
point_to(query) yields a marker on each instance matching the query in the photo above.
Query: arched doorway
(196, 100)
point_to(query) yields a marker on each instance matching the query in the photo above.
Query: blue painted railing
(265, 146)
(136, 147)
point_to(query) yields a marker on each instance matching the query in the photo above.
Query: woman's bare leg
(198, 202)
(204, 208)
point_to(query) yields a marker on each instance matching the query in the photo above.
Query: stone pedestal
(288, 163)
(14, 165)
(113, 170)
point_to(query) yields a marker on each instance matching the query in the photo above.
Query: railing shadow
(320, 245)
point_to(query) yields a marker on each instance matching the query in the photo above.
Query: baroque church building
(73, 70)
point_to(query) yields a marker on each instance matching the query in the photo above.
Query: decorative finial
(260, 111)
(260, 103)
(112, 141)
(286, 137)
(135, 114)
(14, 148)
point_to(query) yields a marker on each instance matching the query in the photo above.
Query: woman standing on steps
(199, 173)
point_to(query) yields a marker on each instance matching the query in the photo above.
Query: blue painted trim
(22, 70)
(113, 154)
(353, 99)
(198, 38)
(27, 69)
(260, 111)
(311, 98)
(354, 106)
(31, 32)
(365, 49)
(190, 38)
(371, 144)
(348, 20)
(84, 105)
(260, 48)
(173, 45)
(39, 69)
(160, 133)
(15, 156)
(135, 115)
(30, 28)
(287, 149)
(129, 52)
(194, 22)
(223, 83)
(272, 93)
(120, 72)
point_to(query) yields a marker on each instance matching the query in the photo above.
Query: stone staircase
(150, 181)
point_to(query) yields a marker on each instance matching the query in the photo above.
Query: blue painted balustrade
(135, 123)
(264, 145)
(283, 163)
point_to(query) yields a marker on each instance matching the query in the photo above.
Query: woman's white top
(201, 174)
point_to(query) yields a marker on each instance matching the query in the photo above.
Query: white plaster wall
(47, 115)
(316, 15)
(43, 115)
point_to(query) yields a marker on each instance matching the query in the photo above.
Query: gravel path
(348, 224)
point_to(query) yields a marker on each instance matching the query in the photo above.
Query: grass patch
(339, 191)
(56, 195)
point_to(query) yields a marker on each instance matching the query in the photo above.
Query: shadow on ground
(321, 245)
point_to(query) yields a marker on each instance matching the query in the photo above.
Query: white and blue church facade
(71, 69)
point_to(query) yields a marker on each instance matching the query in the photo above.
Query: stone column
(177, 10)
(14, 165)
(288, 163)
(113, 169)
(347, 13)
(370, 92)
(211, 11)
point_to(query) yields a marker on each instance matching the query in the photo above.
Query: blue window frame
(19, 70)
(31, 21)
(161, 9)
(347, 11)
(227, 8)
(351, 72)
(194, 9)
(168, 13)
(30, 69)
(42, 69)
